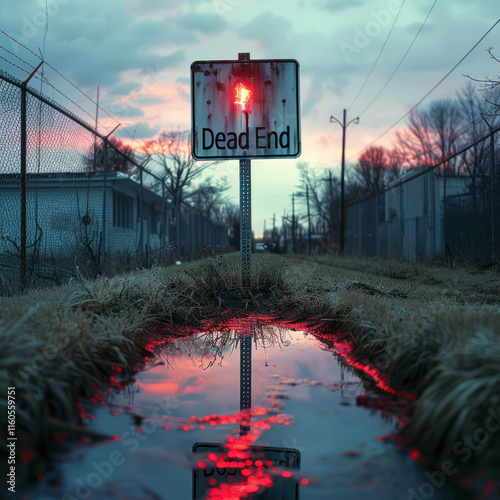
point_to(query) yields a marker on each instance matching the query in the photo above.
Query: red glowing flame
(242, 96)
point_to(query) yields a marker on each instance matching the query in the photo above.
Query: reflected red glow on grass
(344, 348)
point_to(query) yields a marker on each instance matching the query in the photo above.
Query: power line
(94, 102)
(424, 171)
(401, 60)
(46, 82)
(429, 92)
(466, 128)
(378, 57)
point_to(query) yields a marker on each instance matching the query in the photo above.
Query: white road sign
(245, 109)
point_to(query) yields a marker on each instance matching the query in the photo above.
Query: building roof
(75, 180)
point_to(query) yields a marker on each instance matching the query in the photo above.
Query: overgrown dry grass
(58, 345)
(437, 335)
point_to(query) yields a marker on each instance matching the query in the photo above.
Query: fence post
(22, 267)
(140, 213)
(163, 222)
(493, 200)
(193, 235)
(104, 200)
(23, 187)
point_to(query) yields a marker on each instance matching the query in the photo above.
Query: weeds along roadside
(62, 349)
(61, 346)
(443, 347)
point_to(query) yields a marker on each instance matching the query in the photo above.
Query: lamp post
(344, 126)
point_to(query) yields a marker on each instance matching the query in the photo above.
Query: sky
(139, 53)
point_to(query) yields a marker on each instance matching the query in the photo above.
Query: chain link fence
(450, 212)
(66, 202)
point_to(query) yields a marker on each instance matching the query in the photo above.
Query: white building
(64, 211)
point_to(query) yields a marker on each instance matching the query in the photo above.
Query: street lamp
(344, 127)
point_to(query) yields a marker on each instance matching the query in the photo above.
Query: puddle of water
(303, 436)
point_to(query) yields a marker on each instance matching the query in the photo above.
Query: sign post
(245, 202)
(245, 109)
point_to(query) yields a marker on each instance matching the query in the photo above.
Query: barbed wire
(66, 79)
(17, 57)
(15, 65)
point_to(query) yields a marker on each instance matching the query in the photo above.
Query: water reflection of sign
(282, 489)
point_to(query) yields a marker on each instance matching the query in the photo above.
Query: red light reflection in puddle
(256, 473)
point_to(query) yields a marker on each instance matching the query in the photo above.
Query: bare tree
(371, 169)
(324, 198)
(231, 220)
(431, 135)
(487, 84)
(172, 153)
(477, 162)
(179, 170)
(396, 163)
(117, 161)
(208, 198)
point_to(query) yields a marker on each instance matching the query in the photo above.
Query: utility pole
(329, 179)
(272, 234)
(293, 223)
(309, 218)
(284, 231)
(344, 126)
(493, 182)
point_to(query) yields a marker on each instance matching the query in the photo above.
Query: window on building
(122, 210)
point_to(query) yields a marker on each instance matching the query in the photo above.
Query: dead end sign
(245, 109)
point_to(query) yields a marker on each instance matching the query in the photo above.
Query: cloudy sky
(139, 53)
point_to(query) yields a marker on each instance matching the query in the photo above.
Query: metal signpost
(245, 109)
